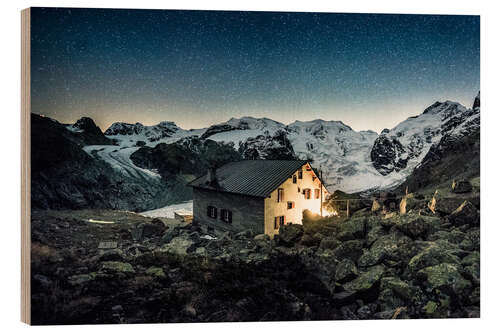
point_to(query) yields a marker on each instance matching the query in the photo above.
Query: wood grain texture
(25, 167)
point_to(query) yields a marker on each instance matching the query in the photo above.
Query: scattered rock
(353, 228)
(365, 281)
(79, 279)
(116, 267)
(417, 226)
(346, 271)
(461, 186)
(466, 213)
(433, 254)
(156, 272)
(112, 255)
(444, 205)
(445, 277)
(350, 249)
(178, 246)
(290, 234)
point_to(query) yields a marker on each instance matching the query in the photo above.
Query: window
(281, 193)
(290, 205)
(314, 178)
(226, 215)
(316, 193)
(307, 193)
(294, 179)
(212, 212)
(300, 174)
(279, 221)
(298, 189)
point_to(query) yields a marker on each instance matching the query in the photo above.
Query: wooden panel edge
(25, 166)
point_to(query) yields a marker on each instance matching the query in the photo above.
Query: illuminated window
(290, 205)
(316, 193)
(307, 193)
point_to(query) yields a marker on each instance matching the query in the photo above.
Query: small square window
(279, 221)
(290, 205)
(212, 212)
(226, 215)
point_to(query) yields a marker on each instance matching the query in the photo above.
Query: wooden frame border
(25, 166)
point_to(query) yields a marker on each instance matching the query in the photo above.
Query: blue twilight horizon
(198, 68)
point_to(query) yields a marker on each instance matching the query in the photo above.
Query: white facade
(287, 202)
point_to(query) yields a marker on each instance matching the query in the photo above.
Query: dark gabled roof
(251, 177)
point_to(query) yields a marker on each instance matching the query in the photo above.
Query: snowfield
(119, 159)
(168, 211)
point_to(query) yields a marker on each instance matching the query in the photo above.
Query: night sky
(198, 68)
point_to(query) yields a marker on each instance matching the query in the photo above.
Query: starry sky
(198, 68)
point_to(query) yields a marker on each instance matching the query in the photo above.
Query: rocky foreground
(422, 264)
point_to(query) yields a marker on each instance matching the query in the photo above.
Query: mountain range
(148, 166)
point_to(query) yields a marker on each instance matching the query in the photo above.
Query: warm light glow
(334, 213)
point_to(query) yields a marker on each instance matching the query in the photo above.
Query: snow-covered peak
(129, 134)
(445, 110)
(403, 148)
(253, 123)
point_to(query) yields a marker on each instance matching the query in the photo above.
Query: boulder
(290, 234)
(444, 205)
(466, 213)
(435, 253)
(444, 277)
(156, 272)
(351, 250)
(154, 228)
(346, 271)
(169, 234)
(117, 267)
(394, 247)
(454, 236)
(352, 228)
(416, 226)
(178, 246)
(112, 255)
(375, 233)
(376, 206)
(321, 264)
(461, 186)
(410, 203)
(471, 259)
(80, 279)
(262, 241)
(472, 273)
(329, 243)
(366, 280)
(399, 287)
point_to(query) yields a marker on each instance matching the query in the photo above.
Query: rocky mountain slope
(422, 264)
(65, 176)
